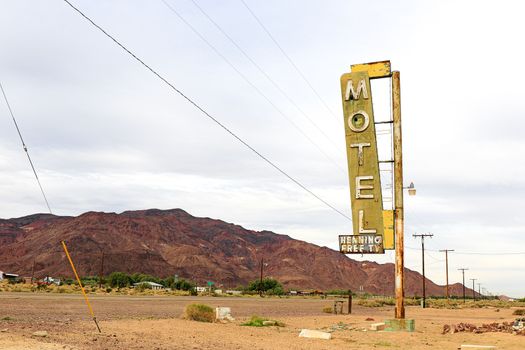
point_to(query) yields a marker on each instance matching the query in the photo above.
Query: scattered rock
(369, 319)
(505, 327)
(3, 330)
(269, 323)
(42, 334)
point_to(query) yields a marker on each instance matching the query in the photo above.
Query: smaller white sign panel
(361, 244)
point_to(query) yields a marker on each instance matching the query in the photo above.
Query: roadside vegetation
(199, 312)
(119, 283)
(256, 321)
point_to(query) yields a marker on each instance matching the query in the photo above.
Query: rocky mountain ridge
(169, 242)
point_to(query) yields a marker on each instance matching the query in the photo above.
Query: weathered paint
(361, 147)
(388, 222)
(379, 69)
(398, 197)
(361, 244)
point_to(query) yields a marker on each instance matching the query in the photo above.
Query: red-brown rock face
(168, 242)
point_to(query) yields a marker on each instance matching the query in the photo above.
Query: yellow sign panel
(361, 148)
(379, 69)
(388, 222)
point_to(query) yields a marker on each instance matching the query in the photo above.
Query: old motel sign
(363, 166)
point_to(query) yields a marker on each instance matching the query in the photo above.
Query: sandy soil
(155, 323)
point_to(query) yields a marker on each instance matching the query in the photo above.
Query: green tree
(119, 279)
(268, 285)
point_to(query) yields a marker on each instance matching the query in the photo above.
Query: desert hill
(168, 242)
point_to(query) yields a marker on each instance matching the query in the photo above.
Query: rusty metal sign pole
(398, 195)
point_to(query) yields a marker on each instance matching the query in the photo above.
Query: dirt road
(154, 323)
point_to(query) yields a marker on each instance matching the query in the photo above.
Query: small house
(8, 276)
(150, 285)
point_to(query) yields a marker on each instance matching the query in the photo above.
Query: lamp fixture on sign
(411, 189)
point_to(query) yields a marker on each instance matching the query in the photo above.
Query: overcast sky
(107, 135)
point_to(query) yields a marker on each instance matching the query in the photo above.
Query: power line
(472, 253)
(248, 81)
(208, 115)
(263, 72)
(25, 148)
(303, 76)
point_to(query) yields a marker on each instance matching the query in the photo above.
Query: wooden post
(446, 267)
(349, 302)
(398, 194)
(33, 272)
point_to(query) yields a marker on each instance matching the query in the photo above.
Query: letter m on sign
(354, 94)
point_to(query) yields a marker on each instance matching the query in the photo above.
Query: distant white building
(151, 285)
(7, 276)
(201, 289)
(234, 292)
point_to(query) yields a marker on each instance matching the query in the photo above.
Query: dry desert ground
(154, 322)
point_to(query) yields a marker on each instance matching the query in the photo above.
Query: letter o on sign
(358, 121)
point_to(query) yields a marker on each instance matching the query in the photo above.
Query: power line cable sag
(245, 78)
(303, 76)
(265, 74)
(25, 148)
(208, 115)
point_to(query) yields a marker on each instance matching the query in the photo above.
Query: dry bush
(519, 312)
(328, 310)
(199, 312)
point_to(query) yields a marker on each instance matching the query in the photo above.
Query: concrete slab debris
(377, 326)
(223, 314)
(400, 325)
(309, 333)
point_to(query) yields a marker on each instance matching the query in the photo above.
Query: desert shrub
(519, 312)
(268, 285)
(142, 277)
(339, 292)
(199, 312)
(142, 287)
(257, 321)
(109, 289)
(328, 310)
(412, 302)
(119, 279)
(376, 302)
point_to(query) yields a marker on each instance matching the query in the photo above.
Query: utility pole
(101, 274)
(260, 282)
(33, 271)
(422, 236)
(479, 291)
(463, 270)
(446, 267)
(473, 288)
(398, 197)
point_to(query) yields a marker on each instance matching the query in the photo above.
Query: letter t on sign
(360, 152)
